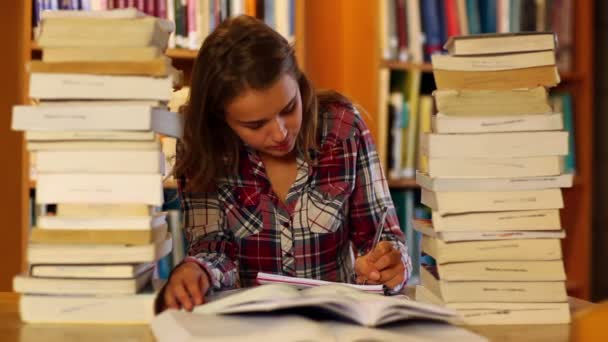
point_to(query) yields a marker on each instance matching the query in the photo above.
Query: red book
(401, 20)
(161, 9)
(451, 18)
(131, 3)
(150, 7)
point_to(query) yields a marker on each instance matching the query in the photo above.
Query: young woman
(275, 177)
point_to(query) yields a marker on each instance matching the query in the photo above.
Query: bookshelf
(354, 33)
(20, 48)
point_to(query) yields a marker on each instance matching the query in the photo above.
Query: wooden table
(12, 330)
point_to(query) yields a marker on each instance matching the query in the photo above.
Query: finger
(361, 280)
(204, 284)
(394, 281)
(388, 260)
(170, 301)
(192, 285)
(382, 248)
(364, 268)
(179, 291)
(388, 274)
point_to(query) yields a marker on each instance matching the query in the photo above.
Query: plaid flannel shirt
(330, 213)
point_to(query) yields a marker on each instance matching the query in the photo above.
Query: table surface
(13, 330)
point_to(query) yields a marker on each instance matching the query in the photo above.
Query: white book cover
(121, 162)
(91, 271)
(442, 123)
(119, 309)
(101, 223)
(99, 188)
(47, 86)
(89, 135)
(493, 184)
(45, 254)
(60, 286)
(515, 144)
(425, 227)
(96, 118)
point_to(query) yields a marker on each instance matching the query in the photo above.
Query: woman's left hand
(382, 265)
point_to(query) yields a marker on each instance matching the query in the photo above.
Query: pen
(380, 228)
(378, 232)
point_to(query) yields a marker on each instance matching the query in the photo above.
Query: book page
(302, 283)
(255, 295)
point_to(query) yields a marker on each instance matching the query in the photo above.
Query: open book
(337, 300)
(302, 283)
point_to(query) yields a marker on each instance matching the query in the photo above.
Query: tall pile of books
(101, 91)
(493, 173)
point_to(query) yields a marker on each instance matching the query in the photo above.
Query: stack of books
(492, 175)
(95, 130)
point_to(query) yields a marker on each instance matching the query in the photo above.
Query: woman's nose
(279, 131)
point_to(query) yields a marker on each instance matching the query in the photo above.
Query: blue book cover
(443, 21)
(487, 15)
(473, 16)
(568, 114)
(431, 25)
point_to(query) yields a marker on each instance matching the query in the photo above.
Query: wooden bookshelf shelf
(181, 53)
(404, 183)
(399, 65)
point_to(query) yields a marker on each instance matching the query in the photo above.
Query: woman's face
(268, 120)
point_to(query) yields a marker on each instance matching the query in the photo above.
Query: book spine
(432, 28)
(401, 30)
(192, 9)
(473, 14)
(451, 16)
(488, 13)
(161, 9)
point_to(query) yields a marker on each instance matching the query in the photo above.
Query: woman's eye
(289, 110)
(255, 126)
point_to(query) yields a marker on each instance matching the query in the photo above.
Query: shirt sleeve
(209, 244)
(369, 197)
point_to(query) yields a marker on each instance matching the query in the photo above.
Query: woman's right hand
(186, 287)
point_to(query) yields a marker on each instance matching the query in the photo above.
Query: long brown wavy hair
(242, 53)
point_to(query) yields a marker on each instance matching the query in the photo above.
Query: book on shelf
(481, 201)
(58, 31)
(491, 250)
(118, 309)
(546, 76)
(486, 145)
(491, 291)
(490, 44)
(124, 236)
(487, 103)
(442, 123)
(108, 145)
(99, 188)
(493, 184)
(425, 227)
(116, 271)
(546, 219)
(494, 62)
(80, 286)
(101, 54)
(89, 135)
(91, 116)
(103, 209)
(158, 67)
(85, 222)
(494, 167)
(520, 270)
(101, 161)
(69, 254)
(502, 313)
(63, 86)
